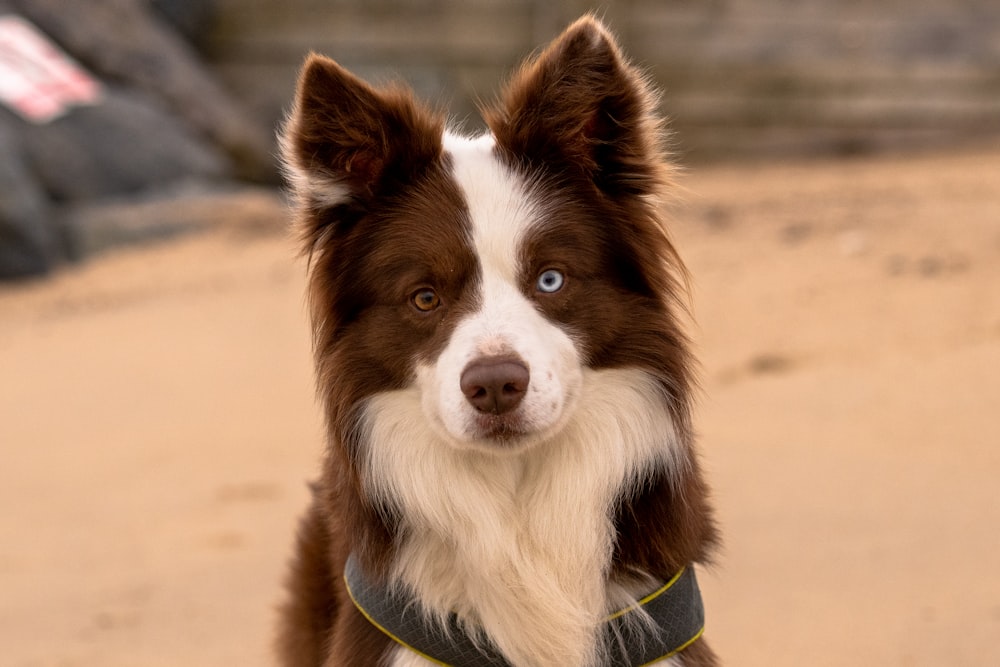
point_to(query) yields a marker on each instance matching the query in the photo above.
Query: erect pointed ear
(580, 107)
(345, 140)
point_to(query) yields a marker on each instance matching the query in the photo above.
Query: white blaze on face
(504, 321)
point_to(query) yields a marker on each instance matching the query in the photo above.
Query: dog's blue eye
(550, 281)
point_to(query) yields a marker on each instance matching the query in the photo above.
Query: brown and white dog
(505, 381)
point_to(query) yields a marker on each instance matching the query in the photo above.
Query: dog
(510, 477)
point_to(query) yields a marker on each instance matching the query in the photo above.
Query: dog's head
(487, 276)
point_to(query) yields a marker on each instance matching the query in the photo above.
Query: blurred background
(838, 208)
(191, 91)
(741, 78)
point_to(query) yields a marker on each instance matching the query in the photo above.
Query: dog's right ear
(345, 141)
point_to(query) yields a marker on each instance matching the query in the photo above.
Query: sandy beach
(158, 427)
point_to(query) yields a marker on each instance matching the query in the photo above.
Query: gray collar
(675, 607)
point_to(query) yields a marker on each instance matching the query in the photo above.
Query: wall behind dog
(741, 77)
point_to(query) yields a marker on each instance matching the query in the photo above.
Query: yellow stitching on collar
(646, 600)
(388, 634)
(649, 598)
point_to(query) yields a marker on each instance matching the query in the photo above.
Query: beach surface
(158, 427)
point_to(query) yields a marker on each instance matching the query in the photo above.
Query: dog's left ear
(580, 108)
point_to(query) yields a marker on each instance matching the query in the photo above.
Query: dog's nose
(495, 385)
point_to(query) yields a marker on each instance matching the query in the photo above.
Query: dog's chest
(527, 566)
(519, 546)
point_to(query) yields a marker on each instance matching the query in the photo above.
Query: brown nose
(495, 385)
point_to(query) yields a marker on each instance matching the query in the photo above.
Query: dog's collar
(675, 608)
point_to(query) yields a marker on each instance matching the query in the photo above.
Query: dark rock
(29, 244)
(188, 17)
(125, 41)
(96, 227)
(123, 144)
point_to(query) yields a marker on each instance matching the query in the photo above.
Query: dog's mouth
(501, 430)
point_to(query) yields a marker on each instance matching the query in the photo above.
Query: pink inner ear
(364, 167)
(590, 126)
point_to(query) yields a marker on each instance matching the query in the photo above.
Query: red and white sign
(37, 79)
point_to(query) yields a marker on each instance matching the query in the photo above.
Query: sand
(158, 426)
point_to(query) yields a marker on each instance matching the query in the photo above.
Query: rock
(96, 227)
(107, 174)
(125, 41)
(124, 144)
(29, 245)
(188, 17)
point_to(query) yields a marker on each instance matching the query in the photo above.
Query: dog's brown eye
(426, 300)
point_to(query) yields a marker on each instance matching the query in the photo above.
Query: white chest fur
(519, 545)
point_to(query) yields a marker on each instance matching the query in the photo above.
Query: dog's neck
(520, 546)
(662, 624)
